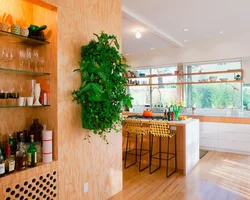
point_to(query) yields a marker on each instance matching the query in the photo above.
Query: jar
(36, 130)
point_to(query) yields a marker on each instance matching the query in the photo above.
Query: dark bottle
(165, 114)
(36, 130)
(169, 114)
(172, 115)
(21, 154)
(2, 164)
(10, 161)
(32, 153)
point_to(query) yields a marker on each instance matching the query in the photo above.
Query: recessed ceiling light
(185, 40)
(138, 35)
(152, 48)
(221, 32)
(185, 29)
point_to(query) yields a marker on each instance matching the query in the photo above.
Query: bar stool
(134, 126)
(161, 129)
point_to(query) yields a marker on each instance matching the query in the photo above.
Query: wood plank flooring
(218, 176)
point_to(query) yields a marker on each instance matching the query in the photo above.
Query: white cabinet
(226, 137)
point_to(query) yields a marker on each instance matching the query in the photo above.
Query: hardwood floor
(218, 176)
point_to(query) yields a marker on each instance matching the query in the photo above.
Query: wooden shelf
(23, 72)
(190, 74)
(186, 83)
(13, 38)
(214, 72)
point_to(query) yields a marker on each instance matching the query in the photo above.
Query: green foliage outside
(215, 96)
(102, 93)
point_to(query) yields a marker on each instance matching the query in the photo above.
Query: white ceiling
(132, 45)
(164, 21)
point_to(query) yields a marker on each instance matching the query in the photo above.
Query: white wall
(221, 47)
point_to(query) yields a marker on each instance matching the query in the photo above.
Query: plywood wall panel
(96, 163)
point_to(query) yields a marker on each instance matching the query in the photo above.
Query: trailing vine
(102, 93)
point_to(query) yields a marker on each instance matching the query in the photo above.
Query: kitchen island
(187, 133)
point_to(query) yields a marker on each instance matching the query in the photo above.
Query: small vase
(37, 94)
(176, 116)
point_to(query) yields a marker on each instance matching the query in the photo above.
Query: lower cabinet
(234, 138)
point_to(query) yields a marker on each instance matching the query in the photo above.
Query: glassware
(35, 59)
(42, 62)
(22, 58)
(28, 58)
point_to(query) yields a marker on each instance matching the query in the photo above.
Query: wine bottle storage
(42, 186)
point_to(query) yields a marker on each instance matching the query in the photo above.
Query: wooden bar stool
(162, 129)
(134, 126)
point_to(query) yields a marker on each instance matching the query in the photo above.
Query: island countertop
(187, 133)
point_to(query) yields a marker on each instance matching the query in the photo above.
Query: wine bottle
(21, 154)
(2, 164)
(10, 161)
(32, 153)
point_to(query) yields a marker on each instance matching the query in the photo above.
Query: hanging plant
(102, 93)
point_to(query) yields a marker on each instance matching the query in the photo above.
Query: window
(155, 97)
(216, 95)
(246, 96)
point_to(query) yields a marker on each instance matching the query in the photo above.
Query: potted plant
(102, 93)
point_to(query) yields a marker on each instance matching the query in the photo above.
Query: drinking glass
(42, 62)
(22, 58)
(28, 58)
(10, 59)
(35, 59)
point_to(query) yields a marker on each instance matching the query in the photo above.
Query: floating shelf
(13, 38)
(23, 72)
(24, 106)
(186, 83)
(190, 74)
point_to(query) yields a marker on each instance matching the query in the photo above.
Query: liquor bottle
(165, 114)
(2, 164)
(31, 153)
(9, 162)
(21, 154)
(12, 146)
(169, 115)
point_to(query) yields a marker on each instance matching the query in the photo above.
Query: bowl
(212, 78)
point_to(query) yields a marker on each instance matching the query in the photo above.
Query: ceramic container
(24, 32)
(15, 29)
(3, 26)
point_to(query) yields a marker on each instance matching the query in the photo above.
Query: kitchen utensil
(147, 113)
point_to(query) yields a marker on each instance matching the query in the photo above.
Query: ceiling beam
(132, 16)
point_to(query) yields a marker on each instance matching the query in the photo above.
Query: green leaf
(85, 76)
(102, 76)
(92, 77)
(96, 88)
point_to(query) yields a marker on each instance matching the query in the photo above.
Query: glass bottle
(21, 154)
(2, 164)
(9, 162)
(31, 153)
(36, 130)
(165, 114)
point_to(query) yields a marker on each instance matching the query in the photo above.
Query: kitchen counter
(211, 116)
(187, 135)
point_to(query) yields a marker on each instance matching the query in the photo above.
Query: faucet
(160, 97)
